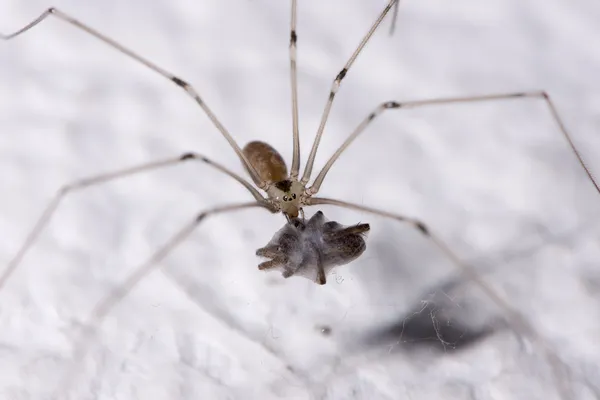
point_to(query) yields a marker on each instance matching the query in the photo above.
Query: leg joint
(180, 82)
(422, 228)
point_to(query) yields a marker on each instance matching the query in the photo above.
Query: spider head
(288, 196)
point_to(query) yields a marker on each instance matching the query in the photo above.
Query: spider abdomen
(266, 161)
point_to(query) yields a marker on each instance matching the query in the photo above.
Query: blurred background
(496, 181)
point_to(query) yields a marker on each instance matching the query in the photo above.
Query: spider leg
(269, 264)
(540, 95)
(189, 89)
(109, 302)
(518, 322)
(394, 18)
(351, 230)
(335, 87)
(103, 178)
(294, 81)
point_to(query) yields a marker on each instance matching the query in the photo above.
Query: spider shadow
(439, 311)
(437, 323)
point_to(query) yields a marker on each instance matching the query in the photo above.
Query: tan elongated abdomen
(266, 161)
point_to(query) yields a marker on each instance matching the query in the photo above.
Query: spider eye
(294, 195)
(285, 198)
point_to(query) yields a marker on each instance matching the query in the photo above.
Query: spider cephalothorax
(284, 193)
(289, 196)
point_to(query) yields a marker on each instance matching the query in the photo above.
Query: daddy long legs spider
(390, 105)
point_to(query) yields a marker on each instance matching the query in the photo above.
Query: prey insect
(288, 193)
(311, 248)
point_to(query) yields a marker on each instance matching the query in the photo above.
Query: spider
(283, 192)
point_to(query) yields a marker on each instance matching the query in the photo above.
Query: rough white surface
(496, 181)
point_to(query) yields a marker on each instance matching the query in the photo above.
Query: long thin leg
(109, 302)
(450, 100)
(294, 80)
(335, 87)
(519, 324)
(394, 18)
(189, 89)
(103, 178)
